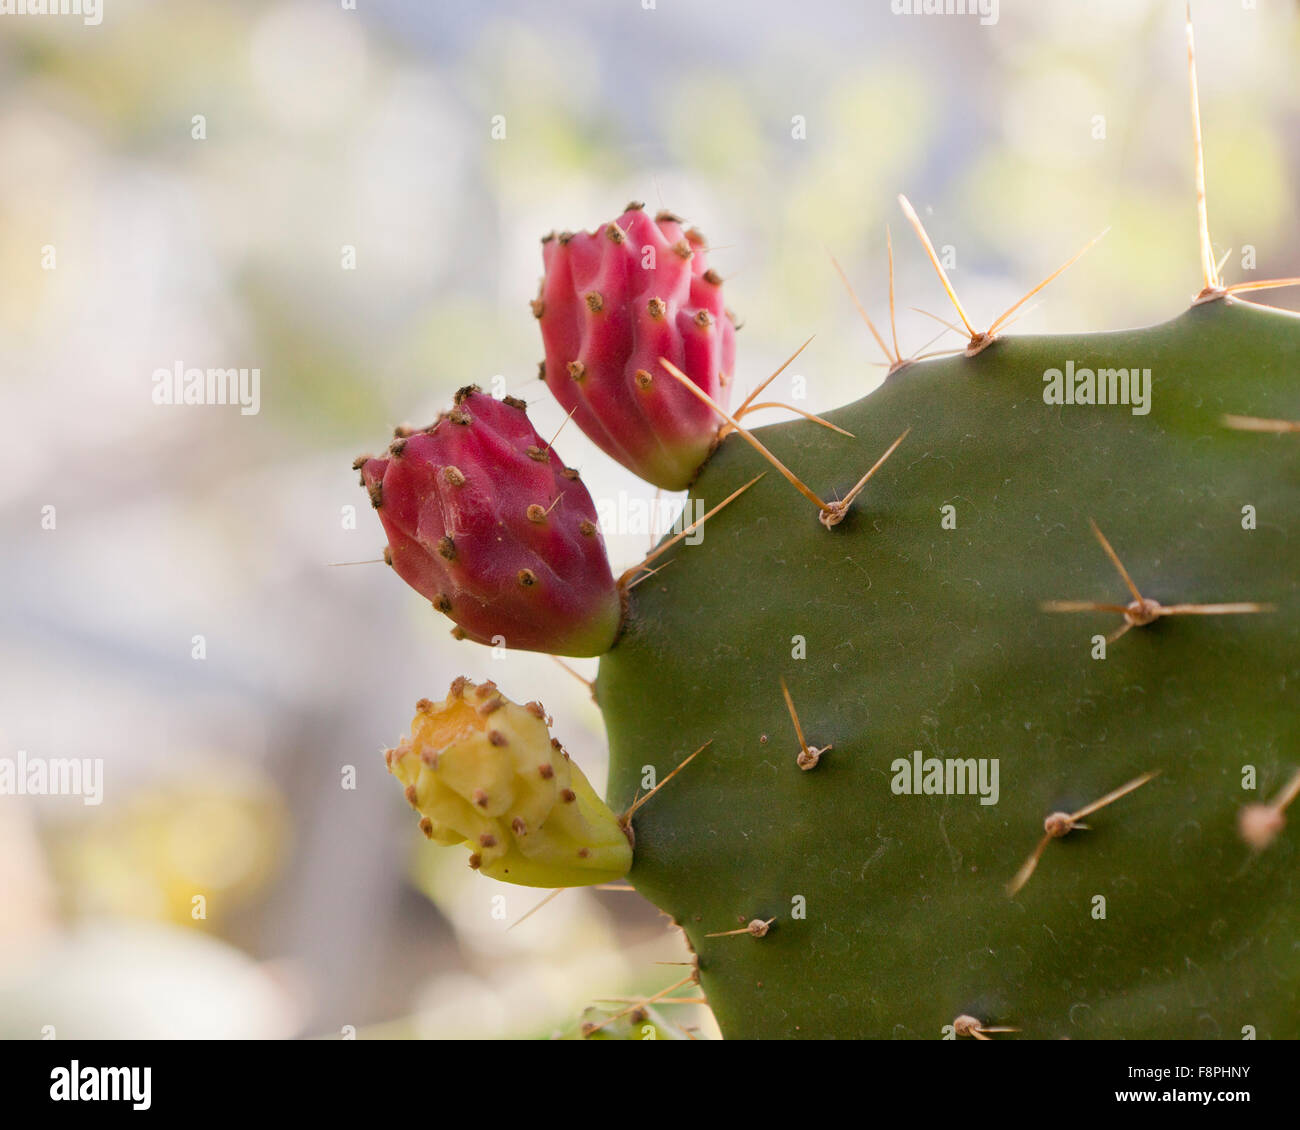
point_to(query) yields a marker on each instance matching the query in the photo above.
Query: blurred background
(349, 198)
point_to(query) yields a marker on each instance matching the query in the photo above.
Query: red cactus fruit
(612, 303)
(485, 520)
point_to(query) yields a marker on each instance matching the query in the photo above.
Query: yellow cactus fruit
(484, 771)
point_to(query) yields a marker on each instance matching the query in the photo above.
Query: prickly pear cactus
(972, 712)
(911, 626)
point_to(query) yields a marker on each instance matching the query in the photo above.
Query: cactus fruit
(613, 302)
(484, 520)
(484, 771)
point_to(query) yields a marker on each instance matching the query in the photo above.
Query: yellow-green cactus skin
(483, 771)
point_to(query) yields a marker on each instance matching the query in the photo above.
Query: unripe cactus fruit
(484, 771)
(485, 520)
(615, 301)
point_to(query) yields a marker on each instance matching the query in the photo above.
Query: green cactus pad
(924, 638)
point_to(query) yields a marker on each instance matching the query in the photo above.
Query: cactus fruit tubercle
(1095, 607)
(485, 772)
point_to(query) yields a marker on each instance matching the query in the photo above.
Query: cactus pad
(929, 620)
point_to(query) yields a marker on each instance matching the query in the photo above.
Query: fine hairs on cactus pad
(986, 682)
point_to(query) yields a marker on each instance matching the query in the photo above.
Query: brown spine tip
(571, 473)
(475, 861)
(496, 737)
(703, 319)
(568, 796)
(426, 826)
(518, 826)
(587, 528)
(424, 706)
(527, 578)
(695, 237)
(595, 303)
(487, 839)
(388, 555)
(411, 795)
(535, 709)
(458, 685)
(442, 602)
(635, 206)
(550, 235)
(577, 370)
(480, 798)
(447, 548)
(454, 475)
(376, 492)
(458, 633)
(644, 379)
(463, 394)
(541, 454)
(615, 233)
(712, 277)
(538, 307)
(565, 236)
(360, 461)
(460, 416)
(657, 307)
(583, 853)
(515, 402)
(484, 689)
(404, 431)
(541, 370)
(683, 249)
(546, 772)
(491, 706)
(666, 217)
(555, 745)
(536, 513)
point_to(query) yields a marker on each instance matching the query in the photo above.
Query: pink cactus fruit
(485, 520)
(612, 303)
